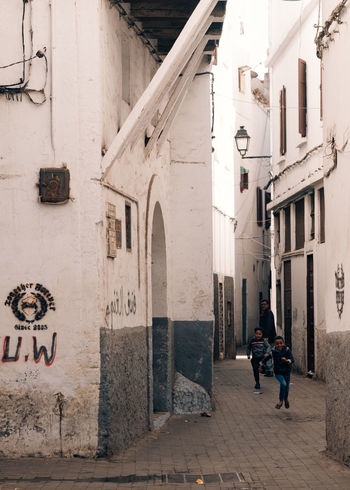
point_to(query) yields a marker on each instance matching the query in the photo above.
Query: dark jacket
(267, 323)
(258, 348)
(279, 366)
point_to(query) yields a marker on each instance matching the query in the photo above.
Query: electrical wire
(267, 107)
(22, 79)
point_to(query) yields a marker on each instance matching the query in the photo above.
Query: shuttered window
(299, 224)
(302, 90)
(259, 207)
(322, 216)
(287, 229)
(267, 213)
(283, 122)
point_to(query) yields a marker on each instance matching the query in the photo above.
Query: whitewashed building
(241, 229)
(105, 177)
(332, 45)
(298, 204)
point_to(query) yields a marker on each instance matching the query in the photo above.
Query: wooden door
(288, 303)
(310, 314)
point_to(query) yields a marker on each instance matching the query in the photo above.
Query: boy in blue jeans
(259, 348)
(282, 365)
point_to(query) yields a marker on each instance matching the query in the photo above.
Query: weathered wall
(336, 294)
(123, 404)
(97, 327)
(190, 236)
(41, 244)
(295, 41)
(338, 395)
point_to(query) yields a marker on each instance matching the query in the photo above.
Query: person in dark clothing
(259, 348)
(282, 365)
(267, 323)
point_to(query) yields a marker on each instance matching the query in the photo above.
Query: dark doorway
(244, 311)
(310, 314)
(161, 334)
(288, 303)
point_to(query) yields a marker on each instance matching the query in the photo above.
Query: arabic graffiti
(121, 305)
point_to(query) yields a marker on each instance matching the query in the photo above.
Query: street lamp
(242, 142)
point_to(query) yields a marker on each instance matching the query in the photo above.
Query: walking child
(282, 365)
(259, 348)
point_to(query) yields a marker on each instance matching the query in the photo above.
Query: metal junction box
(54, 185)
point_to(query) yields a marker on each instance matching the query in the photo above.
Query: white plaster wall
(244, 43)
(336, 124)
(41, 243)
(189, 191)
(282, 16)
(284, 72)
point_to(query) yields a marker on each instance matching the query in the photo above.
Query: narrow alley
(246, 444)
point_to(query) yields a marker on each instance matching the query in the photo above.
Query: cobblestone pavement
(246, 444)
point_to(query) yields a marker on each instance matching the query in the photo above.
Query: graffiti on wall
(29, 303)
(339, 289)
(121, 305)
(11, 351)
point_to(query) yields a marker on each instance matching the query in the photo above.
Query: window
(299, 224)
(302, 91)
(126, 69)
(322, 216)
(312, 215)
(267, 213)
(128, 226)
(283, 122)
(244, 179)
(241, 79)
(259, 207)
(287, 229)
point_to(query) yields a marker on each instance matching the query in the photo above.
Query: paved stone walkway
(246, 444)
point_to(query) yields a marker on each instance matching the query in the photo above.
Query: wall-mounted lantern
(242, 139)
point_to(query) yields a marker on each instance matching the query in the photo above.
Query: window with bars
(302, 93)
(244, 179)
(283, 122)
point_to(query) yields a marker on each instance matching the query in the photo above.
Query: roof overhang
(175, 74)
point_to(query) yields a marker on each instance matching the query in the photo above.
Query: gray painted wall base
(193, 343)
(189, 397)
(123, 404)
(338, 396)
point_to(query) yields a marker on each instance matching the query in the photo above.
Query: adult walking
(267, 324)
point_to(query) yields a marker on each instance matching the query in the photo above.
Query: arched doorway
(161, 337)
